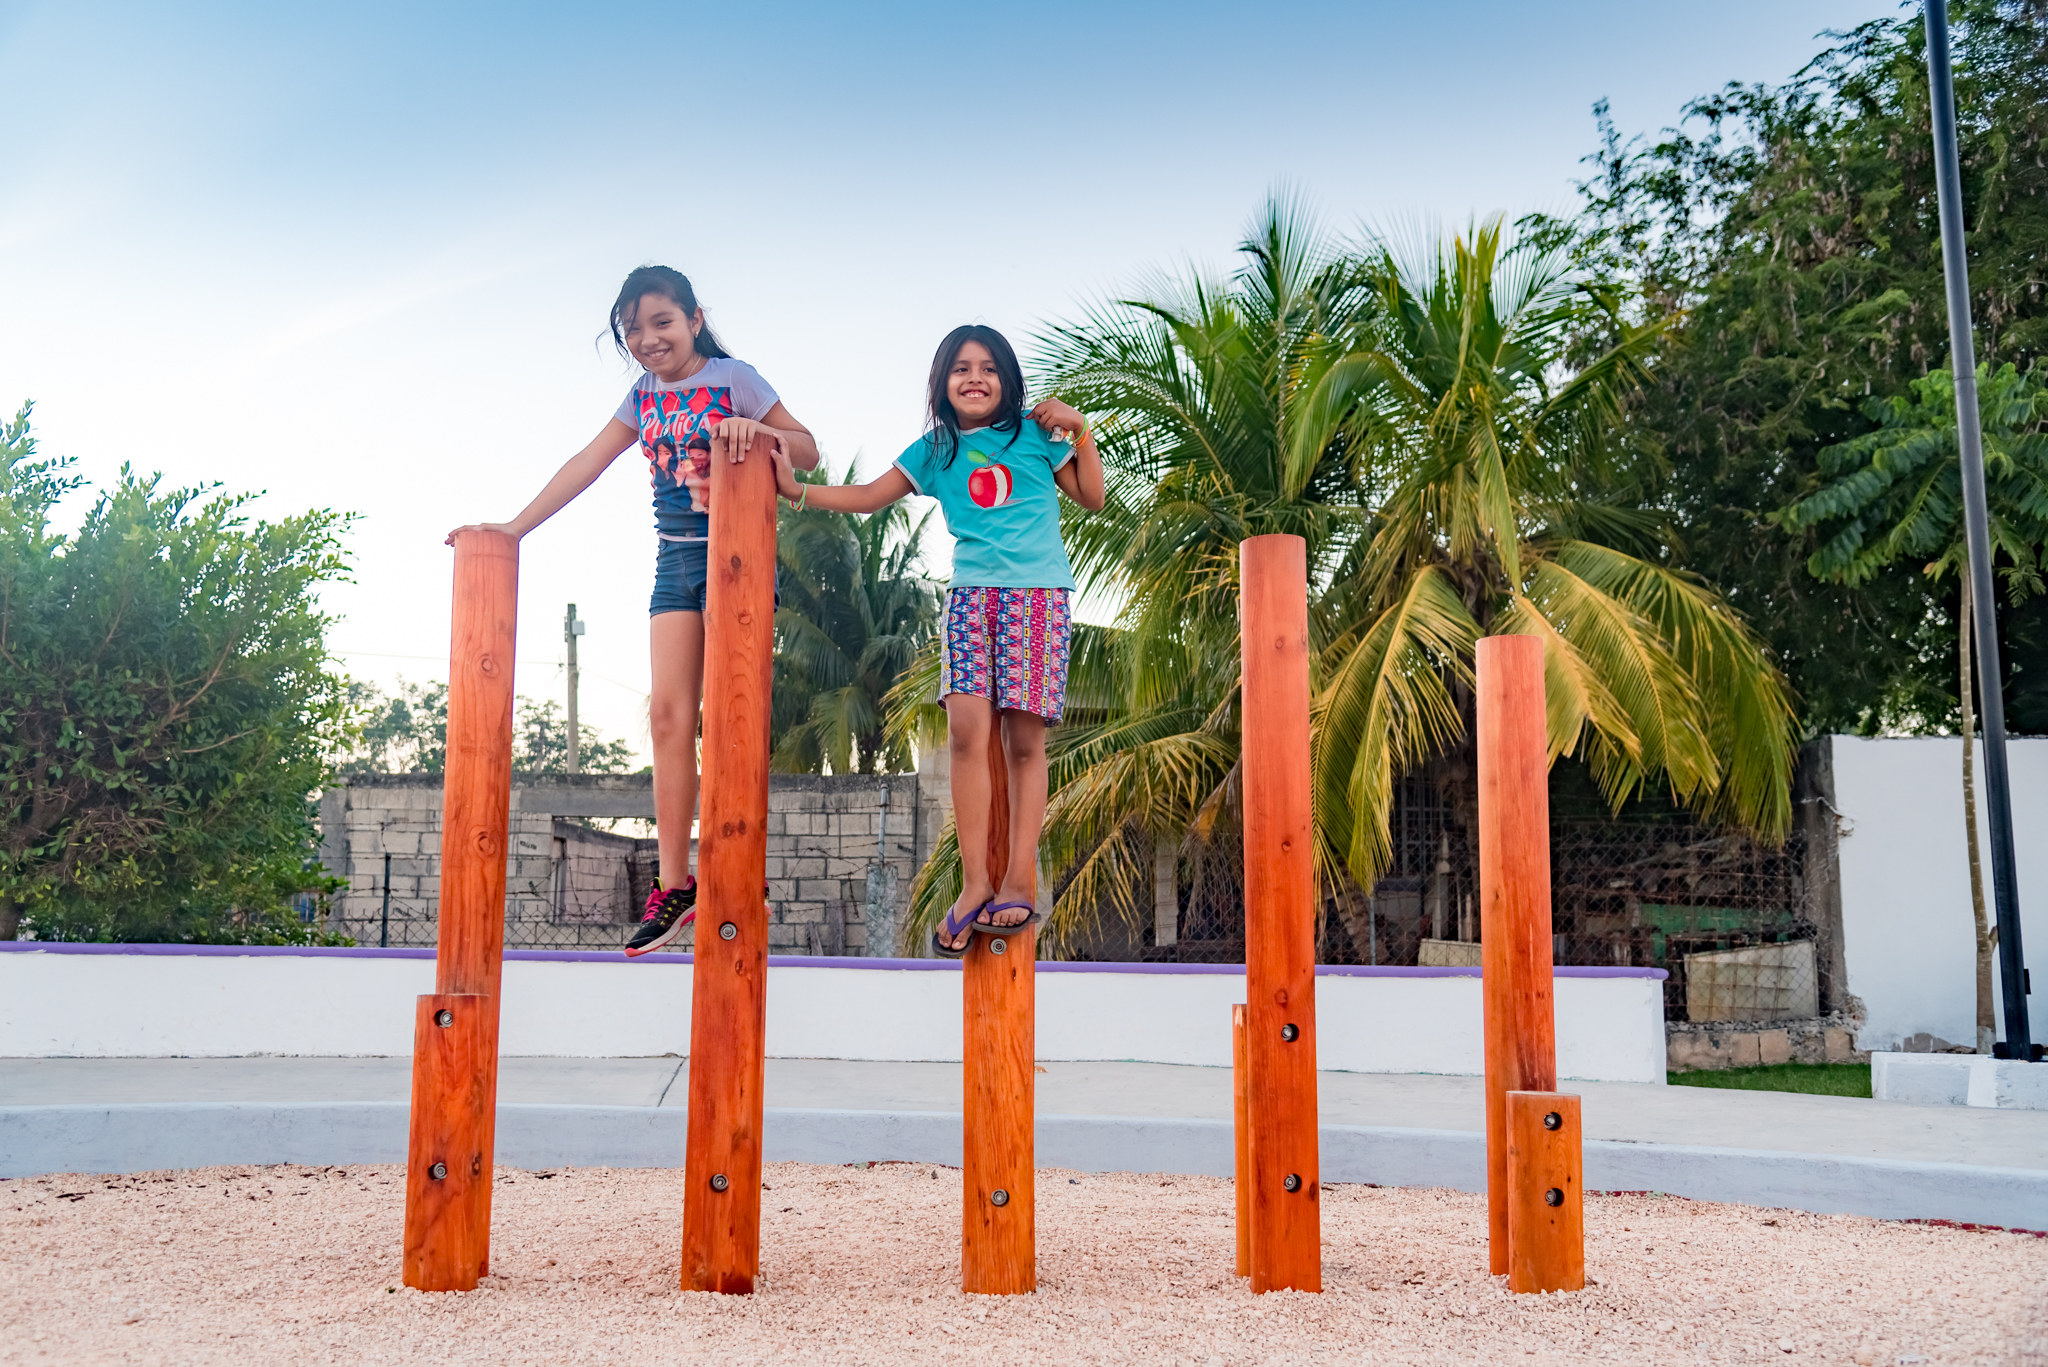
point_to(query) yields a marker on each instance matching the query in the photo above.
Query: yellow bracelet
(803, 496)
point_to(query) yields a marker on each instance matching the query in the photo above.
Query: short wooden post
(998, 1227)
(448, 1180)
(728, 1009)
(1546, 1197)
(1242, 1131)
(1514, 901)
(455, 1057)
(1280, 944)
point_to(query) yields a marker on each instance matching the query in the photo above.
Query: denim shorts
(680, 569)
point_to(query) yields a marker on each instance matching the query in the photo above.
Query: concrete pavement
(1622, 1112)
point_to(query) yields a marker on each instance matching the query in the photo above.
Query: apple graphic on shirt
(989, 483)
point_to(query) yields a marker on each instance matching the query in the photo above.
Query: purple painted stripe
(585, 956)
(1591, 972)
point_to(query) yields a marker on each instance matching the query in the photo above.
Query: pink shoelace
(654, 900)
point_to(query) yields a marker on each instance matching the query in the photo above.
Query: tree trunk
(10, 919)
(1986, 937)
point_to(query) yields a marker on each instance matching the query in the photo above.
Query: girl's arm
(875, 495)
(1080, 478)
(735, 435)
(576, 475)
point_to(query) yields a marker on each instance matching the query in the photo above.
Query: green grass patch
(1817, 1079)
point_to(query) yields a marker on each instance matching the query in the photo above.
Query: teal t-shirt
(1000, 504)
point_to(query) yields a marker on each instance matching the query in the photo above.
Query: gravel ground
(297, 1265)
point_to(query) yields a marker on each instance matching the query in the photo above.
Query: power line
(552, 664)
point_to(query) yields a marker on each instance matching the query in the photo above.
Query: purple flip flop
(986, 928)
(954, 927)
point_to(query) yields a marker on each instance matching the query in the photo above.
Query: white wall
(155, 1005)
(1906, 922)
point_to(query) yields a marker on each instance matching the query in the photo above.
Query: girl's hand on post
(1062, 421)
(510, 529)
(735, 435)
(785, 475)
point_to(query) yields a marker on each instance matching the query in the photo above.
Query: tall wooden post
(1279, 895)
(1514, 916)
(728, 1009)
(998, 1225)
(455, 1035)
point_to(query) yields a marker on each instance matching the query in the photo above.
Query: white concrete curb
(145, 1137)
(1959, 1080)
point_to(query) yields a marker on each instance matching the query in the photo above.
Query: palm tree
(1509, 496)
(1416, 421)
(855, 613)
(1895, 493)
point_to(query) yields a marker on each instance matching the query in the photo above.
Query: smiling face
(974, 387)
(664, 338)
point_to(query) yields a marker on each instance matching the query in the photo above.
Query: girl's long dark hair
(1009, 415)
(669, 284)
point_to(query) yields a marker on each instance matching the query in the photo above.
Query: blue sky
(358, 256)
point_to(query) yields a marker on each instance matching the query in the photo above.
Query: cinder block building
(842, 852)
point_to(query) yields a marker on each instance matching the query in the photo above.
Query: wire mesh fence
(582, 893)
(1727, 919)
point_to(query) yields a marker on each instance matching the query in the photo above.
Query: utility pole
(571, 629)
(1955, 269)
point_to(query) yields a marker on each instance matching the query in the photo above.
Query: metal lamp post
(2018, 1043)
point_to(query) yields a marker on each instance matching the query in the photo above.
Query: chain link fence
(1727, 919)
(582, 892)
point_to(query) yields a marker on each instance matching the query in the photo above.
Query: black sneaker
(668, 911)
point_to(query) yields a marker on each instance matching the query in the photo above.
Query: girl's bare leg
(968, 719)
(1024, 750)
(676, 650)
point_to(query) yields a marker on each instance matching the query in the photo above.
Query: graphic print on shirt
(990, 482)
(675, 427)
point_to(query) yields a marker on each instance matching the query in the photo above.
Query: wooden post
(1280, 937)
(1514, 901)
(455, 1064)
(448, 1177)
(998, 1225)
(1546, 1199)
(1242, 1131)
(728, 1009)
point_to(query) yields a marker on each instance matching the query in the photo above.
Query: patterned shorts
(1009, 646)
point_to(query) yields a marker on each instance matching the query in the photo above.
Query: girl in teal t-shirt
(997, 473)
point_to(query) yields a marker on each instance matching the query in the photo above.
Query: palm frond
(1385, 706)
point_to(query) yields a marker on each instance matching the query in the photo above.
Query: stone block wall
(1690, 1046)
(842, 852)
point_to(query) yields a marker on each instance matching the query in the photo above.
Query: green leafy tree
(1895, 495)
(856, 611)
(402, 732)
(166, 704)
(1791, 232)
(540, 743)
(407, 732)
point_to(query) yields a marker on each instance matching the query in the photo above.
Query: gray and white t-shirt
(670, 417)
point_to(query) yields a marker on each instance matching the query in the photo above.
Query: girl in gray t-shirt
(692, 404)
